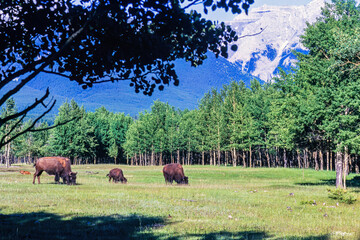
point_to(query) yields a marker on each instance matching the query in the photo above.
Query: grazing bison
(58, 166)
(117, 175)
(174, 171)
(25, 172)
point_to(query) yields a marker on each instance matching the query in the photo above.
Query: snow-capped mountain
(280, 27)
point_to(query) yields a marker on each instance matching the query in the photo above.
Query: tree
(332, 68)
(105, 41)
(11, 128)
(75, 139)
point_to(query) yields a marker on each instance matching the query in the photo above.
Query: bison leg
(57, 178)
(37, 174)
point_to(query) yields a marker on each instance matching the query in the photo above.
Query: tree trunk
(226, 158)
(219, 156)
(161, 158)
(250, 157)
(203, 158)
(178, 156)
(233, 157)
(244, 159)
(285, 159)
(331, 161)
(339, 170)
(316, 160)
(327, 160)
(321, 160)
(345, 166)
(306, 162)
(260, 157)
(268, 158)
(298, 158)
(152, 155)
(7, 154)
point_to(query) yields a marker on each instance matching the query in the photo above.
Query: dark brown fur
(174, 172)
(116, 175)
(58, 166)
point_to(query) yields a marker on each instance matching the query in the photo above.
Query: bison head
(124, 180)
(185, 180)
(72, 178)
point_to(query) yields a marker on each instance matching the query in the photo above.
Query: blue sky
(221, 15)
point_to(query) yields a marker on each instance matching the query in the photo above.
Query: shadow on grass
(42, 225)
(249, 235)
(354, 182)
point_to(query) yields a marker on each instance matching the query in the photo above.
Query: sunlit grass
(219, 203)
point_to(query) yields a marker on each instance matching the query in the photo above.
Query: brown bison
(174, 171)
(58, 166)
(25, 172)
(116, 175)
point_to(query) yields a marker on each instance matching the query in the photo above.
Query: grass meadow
(219, 203)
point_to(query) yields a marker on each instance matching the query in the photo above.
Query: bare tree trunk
(285, 159)
(219, 156)
(315, 156)
(327, 160)
(306, 162)
(345, 166)
(339, 170)
(7, 154)
(260, 157)
(178, 156)
(203, 158)
(298, 158)
(234, 157)
(152, 155)
(331, 161)
(161, 158)
(226, 157)
(321, 160)
(244, 159)
(250, 157)
(268, 158)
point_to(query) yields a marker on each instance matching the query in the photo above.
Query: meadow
(219, 203)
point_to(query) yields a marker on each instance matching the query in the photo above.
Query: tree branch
(195, 2)
(47, 61)
(255, 34)
(3, 143)
(26, 110)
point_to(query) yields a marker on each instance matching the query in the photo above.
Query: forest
(306, 118)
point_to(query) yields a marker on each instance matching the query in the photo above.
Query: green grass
(219, 203)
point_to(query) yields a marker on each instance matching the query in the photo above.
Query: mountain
(279, 28)
(120, 97)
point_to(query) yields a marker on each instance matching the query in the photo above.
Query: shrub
(342, 195)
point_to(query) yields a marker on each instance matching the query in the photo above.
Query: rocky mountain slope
(280, 27)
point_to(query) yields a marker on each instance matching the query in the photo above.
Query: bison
(174, 171)
(116, 175)
(58, 166)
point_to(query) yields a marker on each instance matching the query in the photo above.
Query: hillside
(119, 97)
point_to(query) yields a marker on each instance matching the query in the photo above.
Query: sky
(221, 15)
